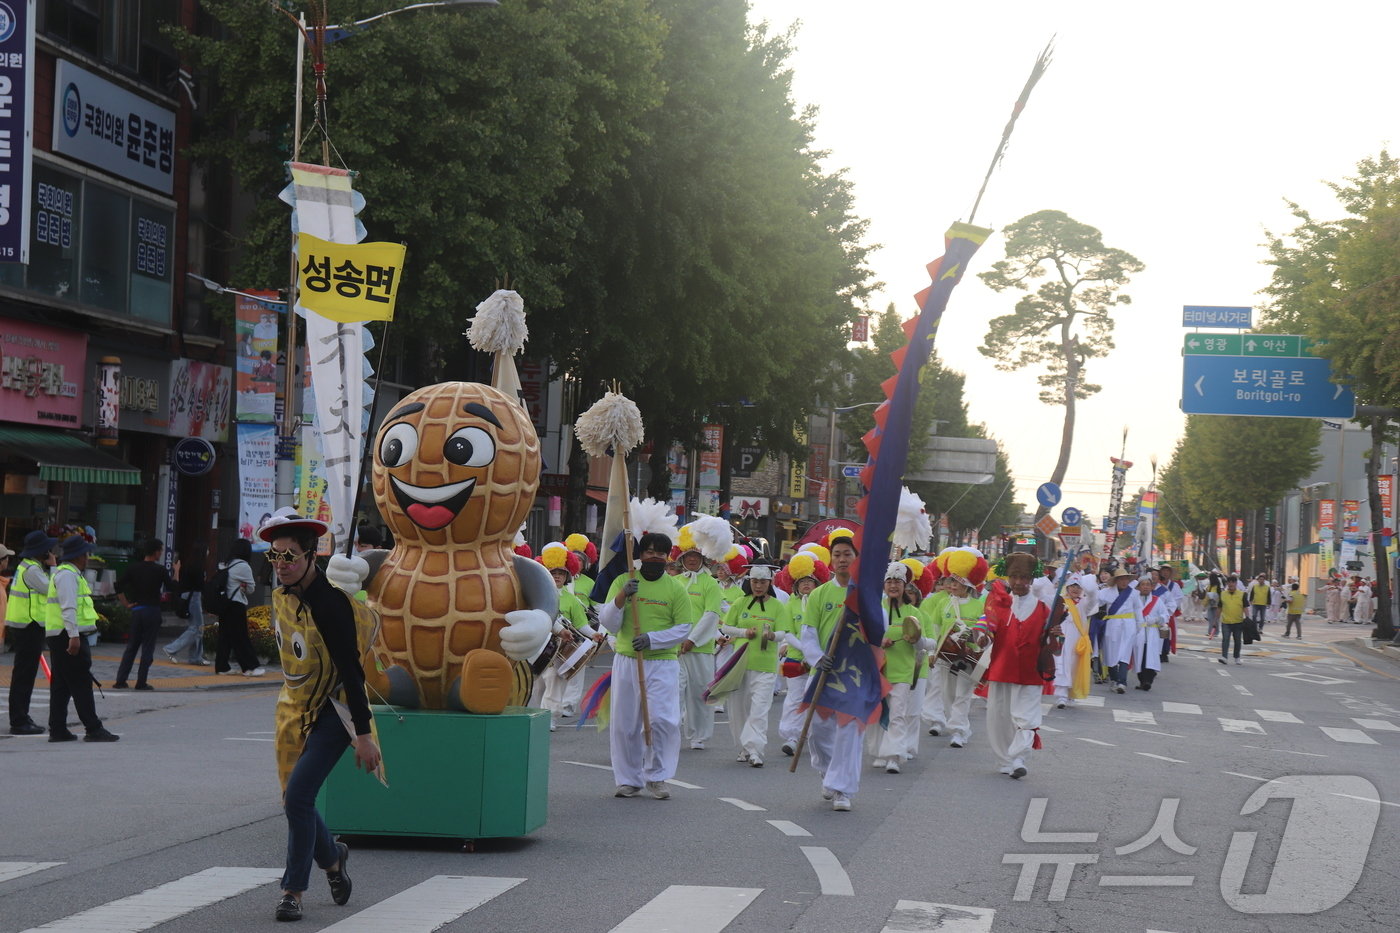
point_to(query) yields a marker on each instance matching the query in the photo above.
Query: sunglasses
(284, 557)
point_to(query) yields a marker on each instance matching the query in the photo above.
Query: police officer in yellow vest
(24, 617)
(70, 618)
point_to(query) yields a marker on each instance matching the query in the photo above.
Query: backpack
(215, 593)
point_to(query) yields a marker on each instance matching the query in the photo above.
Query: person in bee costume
(323, 636)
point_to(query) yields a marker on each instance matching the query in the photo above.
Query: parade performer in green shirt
(954, 612)
(755, 621)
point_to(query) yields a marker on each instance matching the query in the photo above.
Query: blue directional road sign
(1071, 516)
(1048, 494)
(1265, 388)
(851, 471)
(1211, 316)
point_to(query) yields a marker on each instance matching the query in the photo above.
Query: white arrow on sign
(851, 471)
(1338, 394)
(1199, 382)
(1193, 343)
(1250, 345)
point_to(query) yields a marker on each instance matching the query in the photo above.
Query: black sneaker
(100, 735)
(144, 687)
(288, 908)
(64, 736)
(339, 880)
(121, 685)
(27, 728)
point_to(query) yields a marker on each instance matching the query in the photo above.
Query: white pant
(1013, 713)
(835, 752)
(902, 733)
(697, 670)
(948, 702)
(548, 692)
(573, 692)
(748, 712)
(790, 725)
(633, 762)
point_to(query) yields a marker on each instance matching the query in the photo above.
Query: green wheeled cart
(450, 775)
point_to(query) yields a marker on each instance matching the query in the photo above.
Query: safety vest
(87, 613)
(21, 609)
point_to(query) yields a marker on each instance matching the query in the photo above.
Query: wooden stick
(817, 693)
(632, 575)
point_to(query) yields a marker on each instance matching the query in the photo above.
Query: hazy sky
(1178, 130)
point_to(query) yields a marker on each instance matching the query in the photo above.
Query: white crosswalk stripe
(1354, 736)
(10, 870)
(1169, 706)
(914, 916)
(1274, 715)
(165, 902)
(1241, 725)
(1380, 725)
(426, 906)
(685, 908)
(1143, 718)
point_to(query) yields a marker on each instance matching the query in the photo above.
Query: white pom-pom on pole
(912, 529)
(613, 421)
(499, 324)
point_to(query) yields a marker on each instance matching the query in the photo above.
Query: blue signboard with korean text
(97, 122)
(16, 126)
(1215, 316)
(1267, 388)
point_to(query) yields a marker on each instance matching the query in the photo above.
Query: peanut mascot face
(455, 463)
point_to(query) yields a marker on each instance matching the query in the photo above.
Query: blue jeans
(192, 637)
(307, 835)
(145, 626)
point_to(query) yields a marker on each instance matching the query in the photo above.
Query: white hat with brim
(286, 521)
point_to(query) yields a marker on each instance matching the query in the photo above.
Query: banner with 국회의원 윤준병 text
(257, 479)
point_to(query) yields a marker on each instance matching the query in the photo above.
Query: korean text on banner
(311, 499)
(257, 479)
(199, 400)
(348, 282)
(16, 129)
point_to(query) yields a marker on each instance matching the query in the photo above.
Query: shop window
(126, 34)
(53, 244)
(152, 251)
(106, 223)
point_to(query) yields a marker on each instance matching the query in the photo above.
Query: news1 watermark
(1319, 860)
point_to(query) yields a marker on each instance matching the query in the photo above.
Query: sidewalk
(1347, 639)
(164, 675)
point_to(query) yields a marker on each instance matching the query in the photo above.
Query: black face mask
(653, 569)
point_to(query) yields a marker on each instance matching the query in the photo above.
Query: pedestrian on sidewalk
(1296, 601)
(233, 621)
(69, 619)
(24, 617)
(1335, 602)
(1365, 608)
(1212, 601)
(1259, 595)
(140, 590)
(189, 571)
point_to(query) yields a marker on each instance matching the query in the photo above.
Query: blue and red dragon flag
(855, 687)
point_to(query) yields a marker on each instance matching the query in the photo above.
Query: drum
(793, 668)
(573, 650)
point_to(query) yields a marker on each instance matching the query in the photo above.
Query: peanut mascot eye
(299, 646)
(469, 447)
(400, 444)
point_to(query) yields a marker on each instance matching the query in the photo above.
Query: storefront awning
(598, 495)
(1306, 549)
(64, 458)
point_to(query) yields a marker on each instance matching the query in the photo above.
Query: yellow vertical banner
(797, 472)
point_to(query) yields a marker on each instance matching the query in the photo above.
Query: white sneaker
(553, 726)
(878, 763)
(1238, 661)
(743, 757)
(841, 803)
(828, 793)
(892, 767)
(658, 790)
(697, 746)
(1059, 704)
(255, 672)
(755, 761)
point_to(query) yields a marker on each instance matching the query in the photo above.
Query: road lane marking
(1354, 736)
(677, 783)
(244, 738)
(1089, 701)
(832, 876)
(1287, 751)
(917, 916)
(1380, 725)
(1175, 761)
(1045, 728)
(1241, 725)
(589, 764)
(1170, 707)
(1252, 777)
(1171, 735)
(12, 870)
(742, 804)
(1274, 715)
(1143, 717)
(426, 906)
(1308, 678)
(1146, 881)
(1386, 803)
(684, 908)
(1095, 741)
(165, 902)
(1223, 673)
(788, 828)
(1244, 691)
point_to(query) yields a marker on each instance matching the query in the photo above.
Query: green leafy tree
(1338, 282)
(1067, 320)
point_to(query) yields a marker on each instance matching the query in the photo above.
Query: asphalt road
(177, 827)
